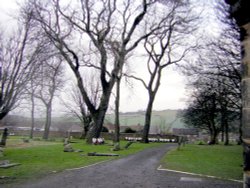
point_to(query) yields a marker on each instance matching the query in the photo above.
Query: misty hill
(162, 121)
(62, 123)
(165, 120)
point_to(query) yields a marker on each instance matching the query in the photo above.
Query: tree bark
(213, 132)
(4, 137)
(117, 105)
(226, 134)
(86, 125)
(213, 137)
(224, 125)
(48, 122)
(92, 133)
(32, 112)
(98, 118)
(147, 120)
(222, 131)
(3, 114)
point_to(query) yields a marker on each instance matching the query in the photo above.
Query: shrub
(105, 129)
(129, 130)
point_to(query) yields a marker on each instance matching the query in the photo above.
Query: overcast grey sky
(171, 95)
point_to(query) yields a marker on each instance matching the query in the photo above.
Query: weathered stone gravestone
(7, 164)
(67, 146)
(128, 144)
(1, 152)
(116, 147)
(102, 154)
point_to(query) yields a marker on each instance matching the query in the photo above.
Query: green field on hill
(166, 119)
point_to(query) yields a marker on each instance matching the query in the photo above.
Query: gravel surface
(134, 171)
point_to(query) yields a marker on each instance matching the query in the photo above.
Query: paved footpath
(134, 171)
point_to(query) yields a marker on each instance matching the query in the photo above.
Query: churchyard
(38, 158)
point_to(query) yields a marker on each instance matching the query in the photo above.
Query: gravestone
(67, 146)
(1, 152)
(128, 144)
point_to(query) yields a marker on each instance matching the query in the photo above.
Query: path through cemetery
(139, 170)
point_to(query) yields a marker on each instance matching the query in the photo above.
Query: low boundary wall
(106, 136)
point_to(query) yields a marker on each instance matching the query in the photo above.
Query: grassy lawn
(220, 161)
(41, 158)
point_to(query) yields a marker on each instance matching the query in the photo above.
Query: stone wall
(106, 136)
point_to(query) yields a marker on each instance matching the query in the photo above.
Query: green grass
(40, 158)
(220, 161)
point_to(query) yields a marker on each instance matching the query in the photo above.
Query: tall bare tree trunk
(147, 120)
(98, 119)
(32, 115)
(92, 133)
(224, 126)
(222, 132)
(226, 134)
(32, 110)
(117, 120)
(48, 122)
(213, 135)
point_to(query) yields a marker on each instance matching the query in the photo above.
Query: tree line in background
(215, 81)
(97, 40)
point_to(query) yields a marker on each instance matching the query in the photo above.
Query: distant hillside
(165, 120)
(58, 123)
(162, 121)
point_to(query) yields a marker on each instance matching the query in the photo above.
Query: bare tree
(98, 23)
(30, 95)
(32, 110)
(49, 82)
(18, 52)
(202, 112)
(33, 86)
(166, 47)
(76, 107)
(219, 62)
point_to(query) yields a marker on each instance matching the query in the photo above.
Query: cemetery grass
(219, 160)
(42, 158)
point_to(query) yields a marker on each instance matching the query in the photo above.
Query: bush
(201, 143)
(105, 130)
(129, 130)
